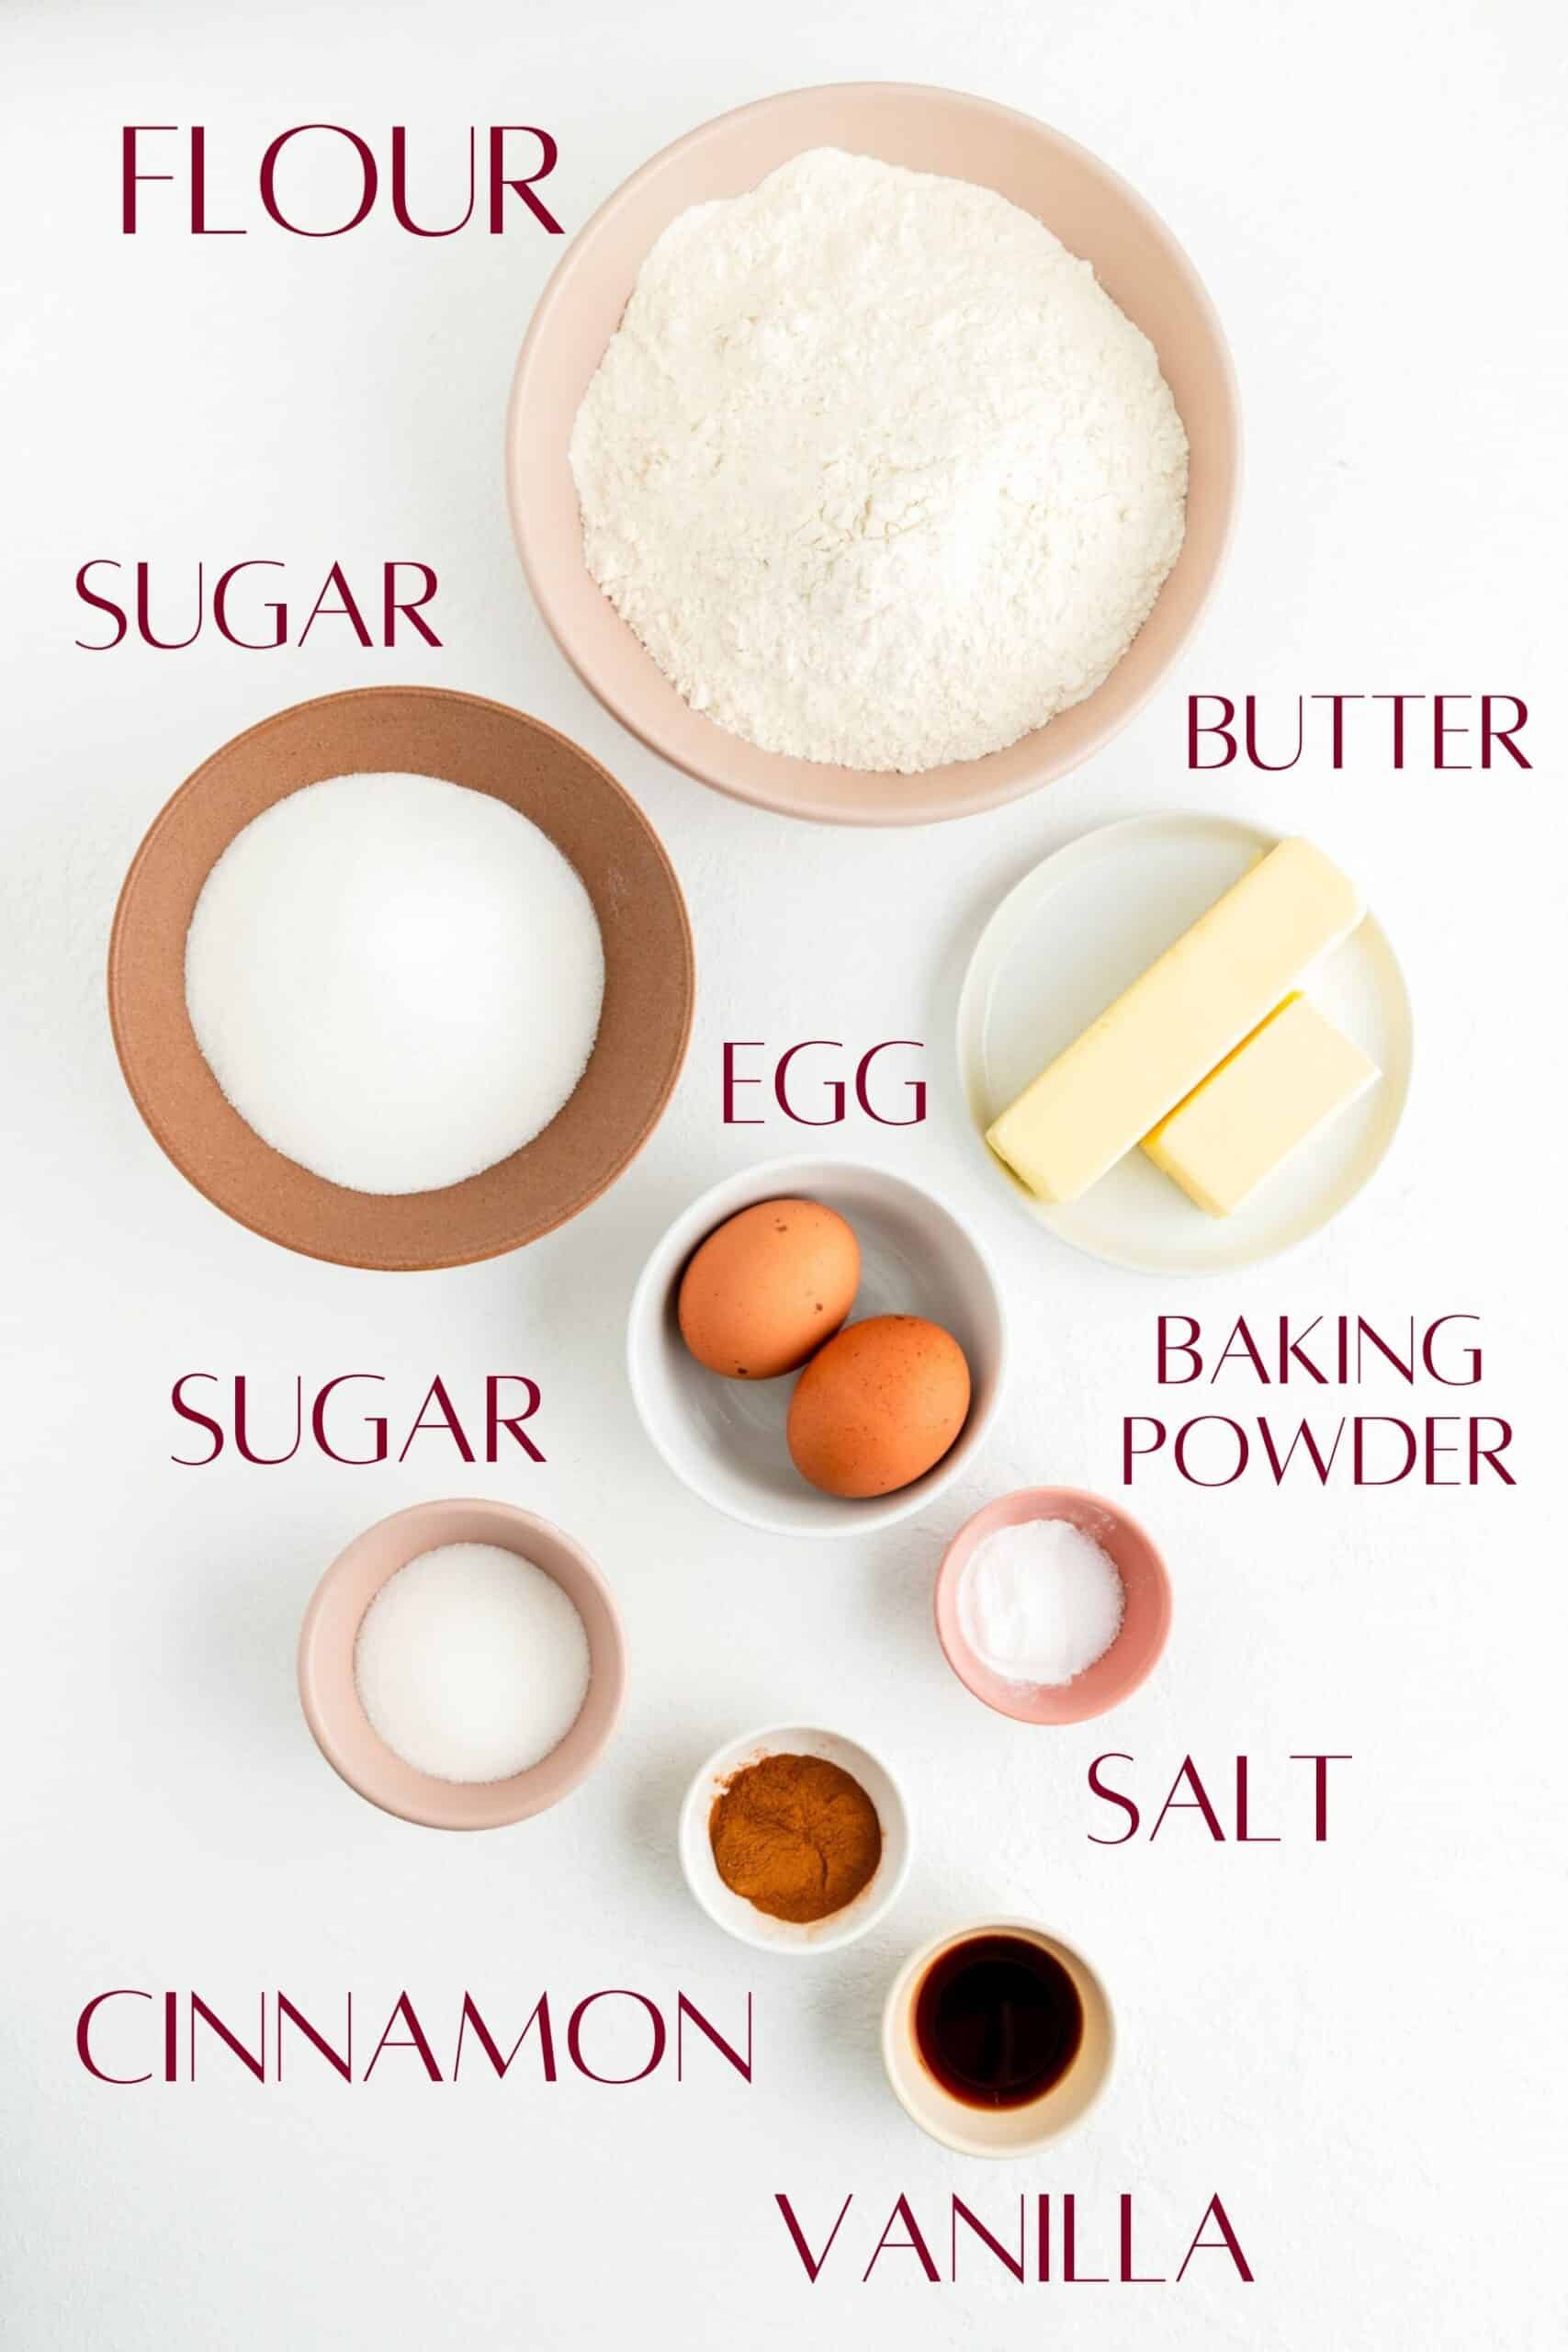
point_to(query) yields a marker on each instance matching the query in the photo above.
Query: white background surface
(1355, 2044)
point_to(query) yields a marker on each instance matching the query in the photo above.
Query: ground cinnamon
(795, 1835)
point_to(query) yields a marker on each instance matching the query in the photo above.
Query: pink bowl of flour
(1132, 1653)
(953, 135)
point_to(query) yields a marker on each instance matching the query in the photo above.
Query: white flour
(875, 469)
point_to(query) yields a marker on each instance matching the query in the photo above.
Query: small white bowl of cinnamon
(795, 1839)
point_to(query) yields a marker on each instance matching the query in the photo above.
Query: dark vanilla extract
(997, 2020)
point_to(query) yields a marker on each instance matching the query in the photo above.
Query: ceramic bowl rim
(313, 1663)
(949, 1566)
(897, 1999)
(857, 1917)
(249, 1207)
(797, 791)
(853, 1517)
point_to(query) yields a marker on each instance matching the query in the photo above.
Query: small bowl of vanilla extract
(997, 2038)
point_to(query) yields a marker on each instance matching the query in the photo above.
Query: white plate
(1077, 931)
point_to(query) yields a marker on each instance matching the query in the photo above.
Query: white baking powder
(471, 1663)
(874, 469)
(1039, 1602)
(395, 981)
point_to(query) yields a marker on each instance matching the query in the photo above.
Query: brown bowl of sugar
(400, 979)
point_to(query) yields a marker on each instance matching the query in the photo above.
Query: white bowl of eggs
(817, 1347)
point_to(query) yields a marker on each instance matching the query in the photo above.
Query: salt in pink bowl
(331, 1699)
(1132, 1656)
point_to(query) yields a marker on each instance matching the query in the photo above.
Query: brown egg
(767, 1287)
(878, 1406)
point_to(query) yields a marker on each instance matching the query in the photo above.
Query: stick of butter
(1165, 1034)
(1280, 1087)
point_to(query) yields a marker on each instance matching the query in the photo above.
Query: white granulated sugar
(1039, 1602)
(875, 469)
(471, 1663)
(395, 981)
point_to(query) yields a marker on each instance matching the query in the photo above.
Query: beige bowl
(1007, 2131)
(331, 1701)
(1094, 212)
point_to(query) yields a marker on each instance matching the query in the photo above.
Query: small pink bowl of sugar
(1051, 1605)
(461, 1665)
